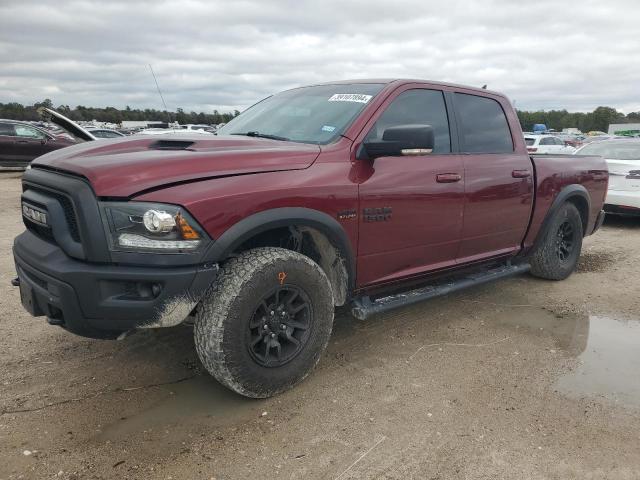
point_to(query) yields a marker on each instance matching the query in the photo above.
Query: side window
(6, 129)
(24, 131)
(559, 141)
(547, 141)
(419, 106)
(484, 127)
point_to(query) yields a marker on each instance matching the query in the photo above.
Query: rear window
(613, 150)
(7, 129)
(529, 141)
(484, 125)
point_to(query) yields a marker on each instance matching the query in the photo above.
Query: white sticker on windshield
(350, 97)
(328, 128)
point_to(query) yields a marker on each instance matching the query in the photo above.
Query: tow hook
(16, 282)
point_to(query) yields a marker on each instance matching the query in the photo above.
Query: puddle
(570, 331)
(195, 401)
(607, 351)
(609, 366)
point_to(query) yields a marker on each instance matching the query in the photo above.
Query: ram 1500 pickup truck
(374, 192)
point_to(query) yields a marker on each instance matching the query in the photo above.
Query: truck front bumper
(104, 300)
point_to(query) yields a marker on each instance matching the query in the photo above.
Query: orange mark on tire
(281, 277)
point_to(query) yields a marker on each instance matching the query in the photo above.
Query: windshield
(613, 150)
(317, 114)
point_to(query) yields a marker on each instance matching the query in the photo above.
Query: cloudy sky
(228, 54)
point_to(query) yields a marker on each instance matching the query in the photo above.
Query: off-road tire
(545, 261)
(223, 317)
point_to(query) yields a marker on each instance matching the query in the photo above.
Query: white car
(179, 130)
(547, 144)
(623, 159)
(198, 128)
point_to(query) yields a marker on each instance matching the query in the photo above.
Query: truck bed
(553, 173)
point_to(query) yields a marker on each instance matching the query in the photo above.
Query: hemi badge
(34, 215)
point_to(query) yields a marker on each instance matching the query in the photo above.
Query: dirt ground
(521, 379)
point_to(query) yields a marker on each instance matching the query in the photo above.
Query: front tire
(265, 321)
(557, 255)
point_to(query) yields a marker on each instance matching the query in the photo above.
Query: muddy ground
(518, 379)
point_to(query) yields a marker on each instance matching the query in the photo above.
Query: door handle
(22, 141)
(521, 173)
(448, 177)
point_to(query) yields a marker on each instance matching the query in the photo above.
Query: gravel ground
(518, 379)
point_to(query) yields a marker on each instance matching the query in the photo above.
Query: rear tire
(557, 255)
(265, 321)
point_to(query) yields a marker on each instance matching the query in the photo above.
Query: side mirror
(401, 140)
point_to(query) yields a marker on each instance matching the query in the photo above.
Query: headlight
(142, 226)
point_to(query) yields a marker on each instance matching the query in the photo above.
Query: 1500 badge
(378, 214)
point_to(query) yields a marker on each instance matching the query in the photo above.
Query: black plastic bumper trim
(94, 300)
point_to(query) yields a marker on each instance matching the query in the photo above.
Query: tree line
(599, 119)
(17, 111)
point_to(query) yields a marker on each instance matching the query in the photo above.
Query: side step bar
(363, 307)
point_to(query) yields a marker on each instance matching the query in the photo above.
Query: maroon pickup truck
(374, 192)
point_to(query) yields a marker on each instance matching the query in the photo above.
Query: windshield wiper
(262, 135)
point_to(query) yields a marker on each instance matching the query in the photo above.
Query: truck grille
(42, 232)
(69, 214)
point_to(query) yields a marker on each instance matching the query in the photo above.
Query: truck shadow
(619, 221)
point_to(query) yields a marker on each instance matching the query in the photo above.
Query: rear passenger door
(498, 181)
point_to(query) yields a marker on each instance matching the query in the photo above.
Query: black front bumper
(103, 300)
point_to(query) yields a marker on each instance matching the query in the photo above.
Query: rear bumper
(623, 202)
(103, 300)
(622, 210)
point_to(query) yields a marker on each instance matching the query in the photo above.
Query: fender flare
(260, 222)
(568, 192)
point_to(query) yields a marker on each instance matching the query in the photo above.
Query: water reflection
(609, 366)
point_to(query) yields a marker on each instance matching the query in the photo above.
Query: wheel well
(312, 243)
(583, 208)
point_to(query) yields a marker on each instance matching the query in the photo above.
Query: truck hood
(123, 168)
(72, 128)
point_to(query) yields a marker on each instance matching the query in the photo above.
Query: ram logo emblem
(378, 214)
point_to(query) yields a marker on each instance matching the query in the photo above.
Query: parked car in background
(623, 158)
(105, 133)
(547, 144)
(574, 141)
(202, 128)
(21, 142)
(173, 130)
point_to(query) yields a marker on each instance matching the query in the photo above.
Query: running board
(363, 307)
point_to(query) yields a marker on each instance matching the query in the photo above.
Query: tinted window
(547, 141)
(7, 129)
(529, 141)
(104, 134)
(425, 107)
(484, 127)
(559, 141)
(613, 150)
(24, 131)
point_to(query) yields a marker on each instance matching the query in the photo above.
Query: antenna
(159, 92)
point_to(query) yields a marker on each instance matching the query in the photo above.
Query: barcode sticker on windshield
(350, 97)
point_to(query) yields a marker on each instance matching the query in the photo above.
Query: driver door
(29, 142)
(411, 207)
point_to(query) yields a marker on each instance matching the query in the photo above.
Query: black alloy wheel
(280, 326)
(564, 241)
